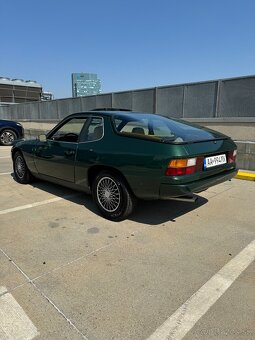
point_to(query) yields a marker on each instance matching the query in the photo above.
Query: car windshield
(160, 128)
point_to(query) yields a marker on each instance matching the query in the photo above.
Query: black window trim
(85, 127)
(62, 123)
(88, 117)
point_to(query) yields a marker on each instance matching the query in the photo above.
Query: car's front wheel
(112, 196)
(7, 137)
(21, 172)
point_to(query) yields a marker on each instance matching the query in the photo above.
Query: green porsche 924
(122, 156)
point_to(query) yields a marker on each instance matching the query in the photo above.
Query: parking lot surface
(172, 270)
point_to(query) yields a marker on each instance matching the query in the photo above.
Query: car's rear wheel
(21, 172)
(112, 196)
(7, 137)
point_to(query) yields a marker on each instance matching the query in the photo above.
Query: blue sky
(129, 44)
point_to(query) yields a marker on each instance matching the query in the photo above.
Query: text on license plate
(214, 161)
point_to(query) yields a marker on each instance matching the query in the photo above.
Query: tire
(112, 196)
(7, 137)
(21, 172)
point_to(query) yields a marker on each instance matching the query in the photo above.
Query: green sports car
(122, 156)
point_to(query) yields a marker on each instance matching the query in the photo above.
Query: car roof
(110, 113)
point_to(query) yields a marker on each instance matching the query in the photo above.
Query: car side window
(136, 127)
(95, 130)
(70, 131)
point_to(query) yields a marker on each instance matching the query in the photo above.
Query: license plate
(210, 162)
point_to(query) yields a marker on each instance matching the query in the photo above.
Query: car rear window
(160, 128)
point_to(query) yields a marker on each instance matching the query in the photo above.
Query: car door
(90, 150)
(56, 156)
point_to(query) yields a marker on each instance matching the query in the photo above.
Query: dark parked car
(121, 156)
(10, 131)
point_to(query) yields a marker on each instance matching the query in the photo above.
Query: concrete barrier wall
(212, 99)
(246, 155)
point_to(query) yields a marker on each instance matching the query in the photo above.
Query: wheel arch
(14, 150)
(96, 169)
(3, 128)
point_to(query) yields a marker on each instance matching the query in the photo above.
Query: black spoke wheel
(112, 196)
(7, 137)
(21, 172)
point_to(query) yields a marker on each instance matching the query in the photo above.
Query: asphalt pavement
(173, 270)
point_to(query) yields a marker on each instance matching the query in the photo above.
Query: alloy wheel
(108, 194)
(7, 138)
(20, 167)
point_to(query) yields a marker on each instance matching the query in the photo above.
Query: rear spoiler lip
(199, 141)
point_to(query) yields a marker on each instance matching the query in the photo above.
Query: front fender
(27, 148)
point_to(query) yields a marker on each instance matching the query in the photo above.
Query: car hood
(4, 121)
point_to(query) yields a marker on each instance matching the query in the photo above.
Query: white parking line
(2, 147)
(14, 323)
(3, 291)
(5, 173)
(36, 204)
(183, 320)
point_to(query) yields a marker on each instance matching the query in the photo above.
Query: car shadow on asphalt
(159, 212)
(146, 212)
(76, 197)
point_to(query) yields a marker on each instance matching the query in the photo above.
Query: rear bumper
(167, 191)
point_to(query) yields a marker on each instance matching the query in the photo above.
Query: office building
(85, 84)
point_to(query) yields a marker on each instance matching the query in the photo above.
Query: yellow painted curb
(245, 175)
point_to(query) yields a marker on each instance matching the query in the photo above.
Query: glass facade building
(85, 84)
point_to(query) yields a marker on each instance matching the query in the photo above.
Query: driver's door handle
(69, 152)
(43, 147)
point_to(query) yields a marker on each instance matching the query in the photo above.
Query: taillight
(232, 156)
(181, 167)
